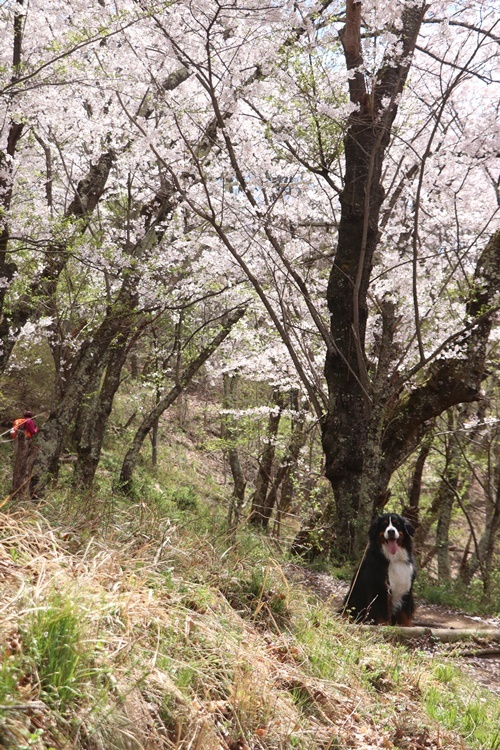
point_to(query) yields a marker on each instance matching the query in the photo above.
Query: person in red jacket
(26, 424)
(25, 450)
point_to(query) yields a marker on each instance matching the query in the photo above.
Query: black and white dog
(381, 590)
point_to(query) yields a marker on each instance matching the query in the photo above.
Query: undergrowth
(52, 641)
(144, 623)
(457, 595)
(159, 633)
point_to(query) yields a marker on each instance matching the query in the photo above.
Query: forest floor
(187, 640)
(481, 659)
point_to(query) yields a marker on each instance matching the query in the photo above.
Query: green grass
(461, 706)
(199, 627)
(455, 594)
(53, 640)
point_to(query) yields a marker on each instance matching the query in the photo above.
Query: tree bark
(25, 450)
(230, 435)
(369, 430)
(483, 555)
(54, 432)
(346, 424)
(412, 510)
(447, 490)
(117, 325)
(261, 510)
(95, 414)
(288, 466)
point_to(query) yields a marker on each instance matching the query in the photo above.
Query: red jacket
(26, 425)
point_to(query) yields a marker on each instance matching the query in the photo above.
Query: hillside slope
(141, 629)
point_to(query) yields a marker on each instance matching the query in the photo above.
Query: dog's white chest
(400, 575)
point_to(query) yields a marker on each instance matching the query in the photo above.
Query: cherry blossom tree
(92, 271)
(333, 163)
(389, 164)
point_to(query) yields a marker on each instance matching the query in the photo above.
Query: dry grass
(182, 648)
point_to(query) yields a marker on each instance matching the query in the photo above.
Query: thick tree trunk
(95, 414)
(372, 425)
(346, 427)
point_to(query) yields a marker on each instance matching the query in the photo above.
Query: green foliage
(53, 641)
(10, 671)
(459, 596)
(464, 708)
(29, 382)
(184, 497)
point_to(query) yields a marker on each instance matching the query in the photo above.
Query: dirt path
(479, 658)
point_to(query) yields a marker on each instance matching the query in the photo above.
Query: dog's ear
(374, 529)
(408, 526)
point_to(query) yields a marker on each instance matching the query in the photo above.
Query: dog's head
(391, 530)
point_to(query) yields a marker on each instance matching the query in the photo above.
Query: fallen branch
(446, 635)
(484, 653)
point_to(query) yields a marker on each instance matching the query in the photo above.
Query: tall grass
(202, 640)
(53, 640)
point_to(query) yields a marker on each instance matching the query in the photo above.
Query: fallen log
(445, 635)
(483, 653)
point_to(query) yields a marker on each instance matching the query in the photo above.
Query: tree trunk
(154, 444)
(412, 510)
(25, 450)
(94, 415)
(346, 424)
(132, 455)
(363, 452)
(447, 491)
(491, 536)
(117, 323)
(261, 510)
(483, 555)
(54, 432)
(230, 436)
(285, 476)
